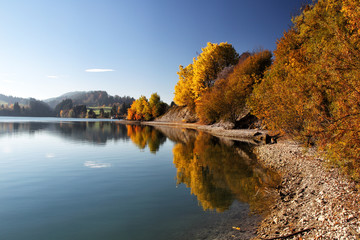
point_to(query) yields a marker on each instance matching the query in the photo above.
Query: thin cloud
(50, 155)
(53, 77)
(99, 70)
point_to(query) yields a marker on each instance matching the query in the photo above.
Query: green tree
(113, 110)
(16, 108)
(157, 106)
(65, 104)
(91, 114)
(101, 113)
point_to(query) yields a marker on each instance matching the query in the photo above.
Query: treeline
(310, 91)
(35, 108)
(143, 109)
(65, 109)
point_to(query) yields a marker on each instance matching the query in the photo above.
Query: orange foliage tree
(312, 90)
(143, 109)
(227, 99)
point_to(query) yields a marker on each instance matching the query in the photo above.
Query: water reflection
(143, 136)
(86, 132)
(93, 132)
(218, 172)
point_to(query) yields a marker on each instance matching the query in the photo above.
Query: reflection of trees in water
(217, 174)
(21, 127)
(97, 132)
(143, 136)
(217, 171)
(94, 132)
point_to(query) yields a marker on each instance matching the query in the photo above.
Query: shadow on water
(217, 171)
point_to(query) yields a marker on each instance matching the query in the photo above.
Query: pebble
(312, 196)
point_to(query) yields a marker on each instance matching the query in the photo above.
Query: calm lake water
(72, 179)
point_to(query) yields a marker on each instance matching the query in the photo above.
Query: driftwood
(289, 235)
(264, 138)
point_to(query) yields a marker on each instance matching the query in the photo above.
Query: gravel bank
(312, 199)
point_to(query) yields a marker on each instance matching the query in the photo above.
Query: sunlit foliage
(143, 109)
(200, 75)
(312, 90)
(227, 99)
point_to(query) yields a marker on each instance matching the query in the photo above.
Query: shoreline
(245, 135)
(313, 200)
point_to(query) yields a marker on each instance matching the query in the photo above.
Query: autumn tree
(184, 96)
(312, 90)
(226, 100)
(200, 75)
(157, 107)
(143, 109)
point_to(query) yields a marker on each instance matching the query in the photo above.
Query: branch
(289, 235)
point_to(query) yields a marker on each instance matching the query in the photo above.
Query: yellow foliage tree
(312, 90)
(142, 109)
(200, 75)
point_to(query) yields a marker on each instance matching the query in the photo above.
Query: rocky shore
(314, 201)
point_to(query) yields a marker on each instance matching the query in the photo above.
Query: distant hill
(90, 99)
(8, 100)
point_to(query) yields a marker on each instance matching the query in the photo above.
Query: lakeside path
(313, 201)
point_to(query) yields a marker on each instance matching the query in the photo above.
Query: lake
(78, 179)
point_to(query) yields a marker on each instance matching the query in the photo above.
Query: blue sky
(133, 48)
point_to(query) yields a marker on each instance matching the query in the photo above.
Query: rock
(178, 114)
(224, 124)
(310, 195)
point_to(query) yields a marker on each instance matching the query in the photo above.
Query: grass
(97, 109)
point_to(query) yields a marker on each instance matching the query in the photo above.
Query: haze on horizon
(125, 48)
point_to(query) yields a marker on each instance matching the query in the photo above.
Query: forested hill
(91, 98)
(8, 100)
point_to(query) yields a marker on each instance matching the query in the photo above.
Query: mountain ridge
(88, 98)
